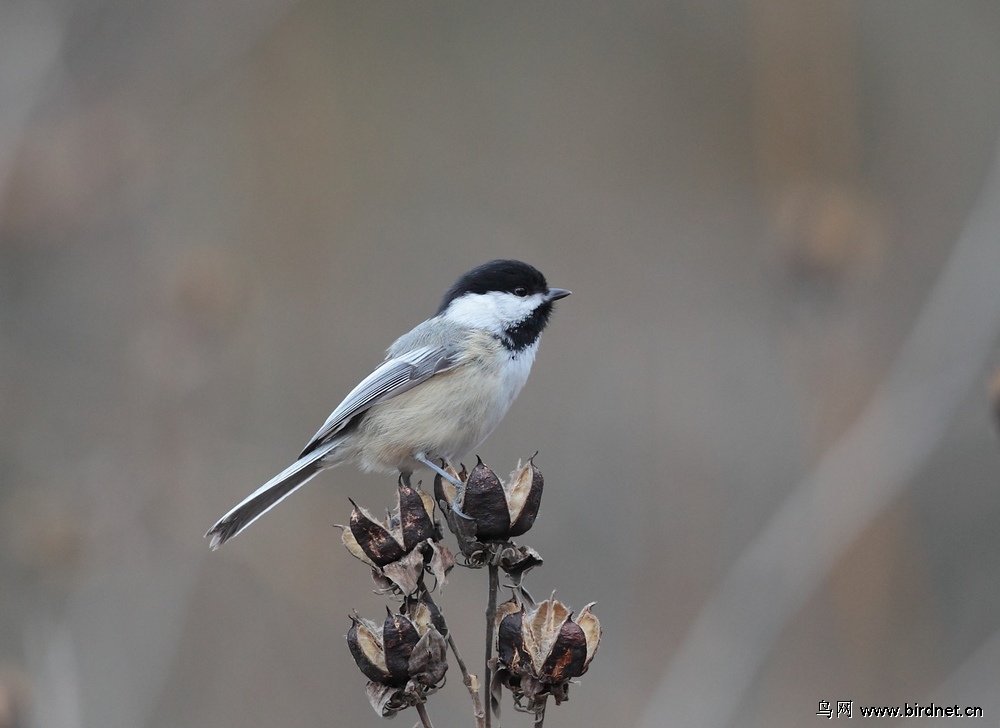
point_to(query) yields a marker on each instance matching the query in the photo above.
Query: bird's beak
(556, 293)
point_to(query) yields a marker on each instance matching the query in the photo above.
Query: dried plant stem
(477, 704)
(540, 715)
(491, 615)
(425, 720)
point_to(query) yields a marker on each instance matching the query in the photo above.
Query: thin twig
(477, 704)
(424, 718)
(491, 614)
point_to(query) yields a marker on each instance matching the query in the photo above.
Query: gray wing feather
(391, 378)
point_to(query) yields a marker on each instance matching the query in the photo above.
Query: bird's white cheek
(492, 311)
(476, 312)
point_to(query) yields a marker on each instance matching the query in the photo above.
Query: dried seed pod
(385, 699)
(415, 509)
(517, 560)
(428, 661)
(441, 562)
(399, 548)
(591, 627)
(375, 540)
(524, 496)
(540, 650)
(509, 645)
(499, 511)
(399, 637)
(405, 574)
(364, 639)
(425, 615)
(405, 659)
(568, 654)
(484, 500)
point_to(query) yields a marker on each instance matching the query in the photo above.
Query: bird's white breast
(451, 413)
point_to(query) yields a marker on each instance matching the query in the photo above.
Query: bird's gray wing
(391, 378)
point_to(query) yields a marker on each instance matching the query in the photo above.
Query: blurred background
(764, 416)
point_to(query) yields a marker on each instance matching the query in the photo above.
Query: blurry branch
(857, 478)
(108, 638)
(55, 676)
(162, 57)
(829, 242)
(30, 40)
(974, 681)
(994, 395)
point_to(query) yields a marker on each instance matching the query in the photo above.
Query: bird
(442, 388)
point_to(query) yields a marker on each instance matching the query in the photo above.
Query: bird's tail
(265, 498)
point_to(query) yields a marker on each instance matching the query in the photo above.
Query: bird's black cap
(506, 276)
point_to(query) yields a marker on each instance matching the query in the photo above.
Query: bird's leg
(422, 457)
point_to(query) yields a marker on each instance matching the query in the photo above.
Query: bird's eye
(520, 291)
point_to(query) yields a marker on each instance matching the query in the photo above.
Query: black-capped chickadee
(441, 390)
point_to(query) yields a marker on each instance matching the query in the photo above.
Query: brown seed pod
(375, 540)
(524, 496)
(364, 639)
(415, 521)
(484, 500)
(399, 637)
(540, 650)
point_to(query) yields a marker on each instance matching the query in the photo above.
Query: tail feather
(263, 499)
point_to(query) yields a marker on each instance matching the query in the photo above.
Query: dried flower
(499, 510)
(399, 548)
(404, 658)
(540, 650)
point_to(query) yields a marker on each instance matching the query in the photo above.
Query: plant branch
(425, 720)
(491, 614)
(477, 704)
(540, 715)
(467, 678)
